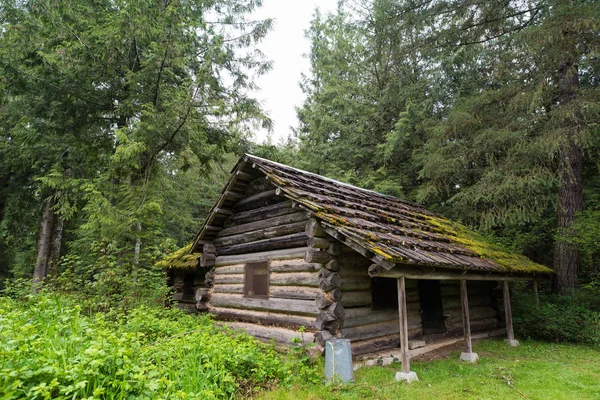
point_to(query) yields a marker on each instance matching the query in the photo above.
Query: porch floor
(386, 357)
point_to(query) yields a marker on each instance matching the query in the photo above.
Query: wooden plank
(263, 256)
(265, 223)
(465, 314)
(404, 356)
(284, 306)
(448, 274)
(256, 214)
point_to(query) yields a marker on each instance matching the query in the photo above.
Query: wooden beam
(465, 315)
(510, 334)
(404, 356)
(443, 274)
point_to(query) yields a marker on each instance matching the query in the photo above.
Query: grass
(535, 370)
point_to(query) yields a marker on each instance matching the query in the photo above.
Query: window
(384, 293)
(256, 280)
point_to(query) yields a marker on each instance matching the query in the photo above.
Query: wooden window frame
(249, 280)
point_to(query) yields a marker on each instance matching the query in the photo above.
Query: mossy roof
(398, 231)
(180, 259)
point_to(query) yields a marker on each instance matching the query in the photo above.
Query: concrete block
(415, 344)
(406, 377)
(512, 343)
(470, 357)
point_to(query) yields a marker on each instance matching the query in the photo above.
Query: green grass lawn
(534, 370)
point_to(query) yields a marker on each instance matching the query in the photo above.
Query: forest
(120, 121)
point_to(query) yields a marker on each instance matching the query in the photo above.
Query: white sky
(286, 46)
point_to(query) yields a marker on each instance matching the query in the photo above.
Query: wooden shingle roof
(394, 231)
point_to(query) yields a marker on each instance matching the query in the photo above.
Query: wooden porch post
(468, 354)
(510, 334)
(406, 374)
(536, 294)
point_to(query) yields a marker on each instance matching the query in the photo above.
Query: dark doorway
(384, 293)
(431, 307)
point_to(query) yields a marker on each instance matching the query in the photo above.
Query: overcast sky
(286, 46)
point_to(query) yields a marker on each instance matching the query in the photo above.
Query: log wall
(482, 311)
(266, 227)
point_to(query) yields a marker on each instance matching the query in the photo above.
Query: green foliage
(571, 319)
(50, 348)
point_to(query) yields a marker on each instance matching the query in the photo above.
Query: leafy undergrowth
(50, 349)
(535, 370)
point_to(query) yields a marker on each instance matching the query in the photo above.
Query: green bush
(50, 349)
(574, 318)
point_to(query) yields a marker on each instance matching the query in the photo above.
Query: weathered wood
(336, 309)
(233, 288)
(256, 214)
(315, 256)
(244, 176)
(280, 242)
(354, 299)
(335, 249)
(297, 265)
(475, 324)
(534, 287)
(207, 260)
(263, 224)
(294, 279)
(479, 312)
(318, 243)
(266, 233)
(230, 269)
(332, 265)
(279, 335)
(324, 273)
(294, 292)
(223, 211)
(322, 336)
(453, 302)
(323, 300)
(258, 185)
(314, 229)
(465, 316)
(452, 291)
(374, 270)
(257, 200)
(433, 274)
(263, 317)
(203, 294)
(209, 248)
(284, 306)
(510, 334)
(233, 196)
(333, 281)
(263, 256)
(374, 330)
(404, 356)
(381, 343)
(350, 284)
(370, 317)
(228, 279)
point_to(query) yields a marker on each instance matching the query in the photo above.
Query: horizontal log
(323, 300)
(294, 279)
(381, 343)
(257, 200)
(453, 302)
(233, 288)
(369, 318)
(263, 317)
(284, 306)
(280, 242)
(316, 256)
(228, 279)
(476, 322)
(203, 294)
(262, 256)
(263, 224)
(257, 214)
(355, 299)
(297, 265)
(449, 274)
(294, 292)
(377, 329)
(318, 243)
(230, 269)
(335, 249)
(279, 335)
(332, 265)
(209, 248)
(314, 229)
(264, 233)
(350, 284)
(259, 185)
(233, 196)
(332, 281)
(475, 313)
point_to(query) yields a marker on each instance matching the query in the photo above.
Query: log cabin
(284, 249)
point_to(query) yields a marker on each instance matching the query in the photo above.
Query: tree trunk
(57, 235)
(570, 194)
(44, 248)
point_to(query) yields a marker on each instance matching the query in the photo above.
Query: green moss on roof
(180, 259)
(508, 261)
